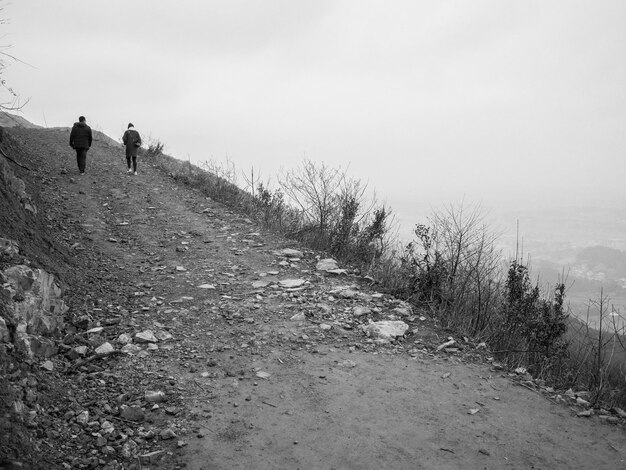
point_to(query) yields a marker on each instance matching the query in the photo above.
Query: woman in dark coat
(132, 141)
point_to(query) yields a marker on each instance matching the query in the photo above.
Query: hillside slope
(217, 364)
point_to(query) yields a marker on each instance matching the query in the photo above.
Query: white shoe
(135, 173)
(129, 171)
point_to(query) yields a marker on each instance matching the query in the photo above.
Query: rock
(619, 412)
(9, 247)
(151, 457)
(520, 371)
(289, 253)
(167, 434)
(78, 351)
(33, 302)
(325, 326)
(124, 338)
(582, 402)
(146, 336)
(131, 349)
(5, 335)
(107, 427)
(163, 335)
(154, 396)
(180, 444)
(348, 364)
(360, 311)
(404, 310)
(473, 411)
(180, 269)
(386, 330)
(47, 365)
(298, 317)
(348, 293)
(132, 413)
(263, 375)
(83, 417)
(101, 441)
(584, 414)
(129, 449)
(105, 348)
(326, 264)
(206, 286)
(291, 283)
(260, 284)
(447, 344)
(95, 330)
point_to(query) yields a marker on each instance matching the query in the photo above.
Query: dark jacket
(132, 141)
(80, 137)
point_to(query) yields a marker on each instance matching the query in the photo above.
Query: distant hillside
(603, 258)
(11, 120)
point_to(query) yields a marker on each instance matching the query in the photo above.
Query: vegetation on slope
(452, 270)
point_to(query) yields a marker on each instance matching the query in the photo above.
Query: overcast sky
(429, 101)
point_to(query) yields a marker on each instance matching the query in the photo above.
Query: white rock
(260, 284)
(403, 310)
(83, 417)
(5, 334)
(298, 317)
(206, 286)
(47, 365)
(360, 311)
(154, 396)
(386, 330)
(124, 338)
(348, 293)
(263, 375)
(105, 348)
(325, 326)
(81, 350)
(291, 283)
(348, 364)
(180, 268)
(326, 264)
(146, 336)
(163, 335)
(130, 349)
(97, 329)
(289, 253)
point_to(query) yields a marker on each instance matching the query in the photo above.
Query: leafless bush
(454, 268)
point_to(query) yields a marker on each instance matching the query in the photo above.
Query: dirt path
(247, 386)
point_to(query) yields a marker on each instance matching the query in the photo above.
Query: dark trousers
(81, 159)
(134, 157)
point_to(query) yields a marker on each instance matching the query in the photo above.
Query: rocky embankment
(145, 325)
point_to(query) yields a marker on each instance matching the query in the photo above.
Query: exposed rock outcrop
(33, 310)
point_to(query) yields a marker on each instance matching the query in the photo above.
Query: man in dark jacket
(132, 141)
(80, 140)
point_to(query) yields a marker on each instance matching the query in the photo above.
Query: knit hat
(130, 124)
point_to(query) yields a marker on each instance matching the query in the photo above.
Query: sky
(430, 102)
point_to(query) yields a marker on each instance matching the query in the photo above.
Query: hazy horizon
(507, 105)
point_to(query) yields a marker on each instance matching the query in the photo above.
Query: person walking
(132, 141)
(80, 140)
